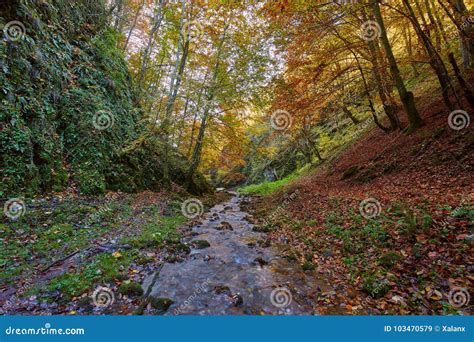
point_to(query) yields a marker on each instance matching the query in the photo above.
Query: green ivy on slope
(59, 85)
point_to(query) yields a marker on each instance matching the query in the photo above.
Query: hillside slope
(69, 116)
(389, 220)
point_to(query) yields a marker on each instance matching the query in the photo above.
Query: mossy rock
(180, 248)
(171, 259)
(131, 289)
(200, 244)
(143, 260)
(160, 303)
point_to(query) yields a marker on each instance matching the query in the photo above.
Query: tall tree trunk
(196, 156)
(351, 116)
(460, 18)
(133, 25)
(433, 24)
(146, 54)
(434, 59)
(175, 81)
(439, 23)
(409, 46)
(406, 96)
(389, 108)
(466, 33)
(465, 88)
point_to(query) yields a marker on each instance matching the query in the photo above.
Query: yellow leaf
(116, 254)
(436, 295)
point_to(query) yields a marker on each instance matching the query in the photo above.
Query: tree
(406, 96)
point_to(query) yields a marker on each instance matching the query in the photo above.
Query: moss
(131, 289)
(64, 73)
(374, 286)
(160, 304)
(200, 244)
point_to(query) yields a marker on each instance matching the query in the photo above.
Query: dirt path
(232, 269)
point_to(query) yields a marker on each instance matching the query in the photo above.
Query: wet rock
(228, 207)
(260, 261)
(214, 217)
(130, 288)
(159, 303)
(208, 258)
(251, 244)
(237, 299)
(224, 226)
(221, 289)
(200, 244)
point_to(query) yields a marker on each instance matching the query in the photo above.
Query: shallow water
(226, 278)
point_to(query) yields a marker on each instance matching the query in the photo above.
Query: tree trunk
(175, 81)
(350, 115)
(146, 54)
(439, 23)
(460, 18)
(406, 97)
(434, 59)
(465, 88)
(407, 38)
(133, 25)
(387, 106)
(196, 156)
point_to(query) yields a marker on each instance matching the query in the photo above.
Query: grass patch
(112, 267)
(267, 188)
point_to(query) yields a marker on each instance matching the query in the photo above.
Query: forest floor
(65, 246)
(410, 243)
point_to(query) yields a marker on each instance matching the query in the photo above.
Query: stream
(238, 273)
